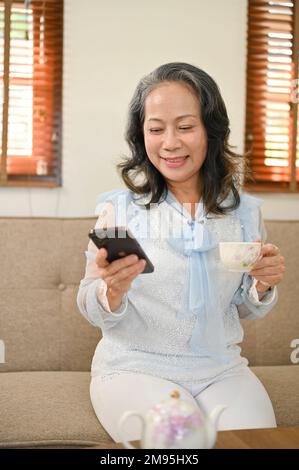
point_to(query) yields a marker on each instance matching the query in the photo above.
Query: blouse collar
(173, 201)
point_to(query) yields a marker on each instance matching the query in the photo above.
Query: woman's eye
(185, 128)
(154, 131)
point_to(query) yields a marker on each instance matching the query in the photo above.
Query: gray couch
(46, 345)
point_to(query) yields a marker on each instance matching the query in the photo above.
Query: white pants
(248, 404)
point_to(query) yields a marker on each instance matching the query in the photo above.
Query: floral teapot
(175, 424)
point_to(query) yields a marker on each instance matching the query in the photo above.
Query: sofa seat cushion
(48, 409)
(53, 409)
(282, 385)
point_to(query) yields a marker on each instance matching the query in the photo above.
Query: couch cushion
(42, 329)
(48, 409)
(30, 252)
(42, 262)
(282, 385)
(30, 339)
(268, 340)
(53, 408)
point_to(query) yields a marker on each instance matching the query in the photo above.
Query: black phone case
(119, 242)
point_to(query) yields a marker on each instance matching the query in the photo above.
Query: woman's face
(174, 136)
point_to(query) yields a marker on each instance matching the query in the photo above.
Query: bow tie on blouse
(200, 295)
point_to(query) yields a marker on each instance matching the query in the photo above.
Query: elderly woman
(179, 326)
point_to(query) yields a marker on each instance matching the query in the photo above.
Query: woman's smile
(176, 162)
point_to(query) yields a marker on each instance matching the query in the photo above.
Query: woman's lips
(175, 162)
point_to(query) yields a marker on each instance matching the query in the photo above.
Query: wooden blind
(31, 35)
(272, 95)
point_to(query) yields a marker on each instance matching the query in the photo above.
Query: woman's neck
(189, 199)
(185, 195)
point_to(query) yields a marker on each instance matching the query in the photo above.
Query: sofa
(46, 345)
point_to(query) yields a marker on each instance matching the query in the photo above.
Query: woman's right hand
(118, 275)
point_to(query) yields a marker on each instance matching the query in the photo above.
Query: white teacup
(239, 256)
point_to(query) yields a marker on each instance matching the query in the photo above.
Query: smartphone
(119, 242)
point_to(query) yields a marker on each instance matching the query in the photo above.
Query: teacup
(239, 256)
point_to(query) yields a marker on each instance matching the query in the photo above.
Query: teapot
(175, 424)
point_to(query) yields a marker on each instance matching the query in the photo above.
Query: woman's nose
(171, 140)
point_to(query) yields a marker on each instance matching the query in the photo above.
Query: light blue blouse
(180, 322)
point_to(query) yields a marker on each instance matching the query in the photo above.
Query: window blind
(31, 46)
(271, 103)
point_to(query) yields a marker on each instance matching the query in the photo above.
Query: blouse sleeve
(91, 299)
(246, 298)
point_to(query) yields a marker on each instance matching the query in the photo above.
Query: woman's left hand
(269, 269)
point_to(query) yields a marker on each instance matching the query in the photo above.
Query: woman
(178, 327)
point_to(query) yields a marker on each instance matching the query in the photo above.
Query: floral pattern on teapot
(171, 424)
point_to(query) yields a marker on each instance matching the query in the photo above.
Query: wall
(108, 47)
